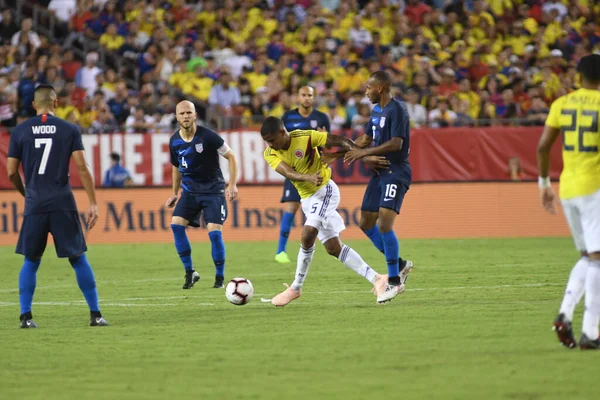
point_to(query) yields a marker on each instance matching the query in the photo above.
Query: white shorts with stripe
(583, 216)
(320, 210)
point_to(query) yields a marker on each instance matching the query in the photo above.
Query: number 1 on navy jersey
(47, 143)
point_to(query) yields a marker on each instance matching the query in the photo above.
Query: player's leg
(576, 283)
(187, 212)
(590, 221)
(215, 215)
(369, 214)
(32, 242)
(69, 242)
(305, 255)
(292, 198)
(315, 208)
(389, 207)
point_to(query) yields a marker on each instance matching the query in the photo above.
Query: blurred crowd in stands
(454, 63)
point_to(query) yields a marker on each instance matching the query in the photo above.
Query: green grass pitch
(474, 323)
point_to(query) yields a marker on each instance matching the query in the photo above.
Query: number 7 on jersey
(47, 143)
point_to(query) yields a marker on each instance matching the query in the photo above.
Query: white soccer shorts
(583, 217)
(320, 210)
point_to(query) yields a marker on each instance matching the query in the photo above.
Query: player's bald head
(185, 106)
(44, 96)
(306, 97)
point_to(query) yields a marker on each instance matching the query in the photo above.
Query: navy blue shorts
(66, 230)
(290, 193)
(212, 207)
(384, 192)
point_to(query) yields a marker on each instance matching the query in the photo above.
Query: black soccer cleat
(26, 321)
(191, 277)
(219, 282)
(98, 321)
(585, 343)
(564, 331)
(27, 324)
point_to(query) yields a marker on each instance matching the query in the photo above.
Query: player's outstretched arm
(547, 195)
(292, 175)
(12, 166)
(339, 141)
(392, 145)
(87, 180)
(176, 185)
(232, 190)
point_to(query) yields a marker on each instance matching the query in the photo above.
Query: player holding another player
(304, 117)
(389, 129)
(44, 145)
(295, 155)
(195, 154)
(575, 115)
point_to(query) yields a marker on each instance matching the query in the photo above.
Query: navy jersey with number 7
(198, 161)
(44, 145)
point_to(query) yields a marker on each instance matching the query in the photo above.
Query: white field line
(129, 300)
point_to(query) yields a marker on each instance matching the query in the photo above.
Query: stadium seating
(468, 63)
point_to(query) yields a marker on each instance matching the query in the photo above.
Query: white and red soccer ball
(239, 291)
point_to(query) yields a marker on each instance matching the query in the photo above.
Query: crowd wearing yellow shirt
(502, 49)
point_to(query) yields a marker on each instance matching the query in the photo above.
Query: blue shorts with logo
(212, 207)
(384, 191)
(66, 230)
(290, 193)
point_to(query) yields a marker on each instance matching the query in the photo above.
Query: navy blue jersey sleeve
(369, 128)
(174, 159)
(14, 149)
(285, 117)
(77, 141)
(326, 124)
(399, 123)
(215, 140)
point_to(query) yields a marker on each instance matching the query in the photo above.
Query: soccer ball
(239, 291)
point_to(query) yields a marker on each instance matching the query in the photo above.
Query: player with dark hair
(575, 115)
(295, 155)
(305, 117)
(389, 130)
(44, 145)
(195, 152)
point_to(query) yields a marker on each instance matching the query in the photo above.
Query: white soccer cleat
(408, 267)
(389, 293)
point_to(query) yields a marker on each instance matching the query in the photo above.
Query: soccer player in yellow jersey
(575, 115)
(295, 155)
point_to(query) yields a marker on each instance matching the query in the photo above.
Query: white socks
(575, 288)
(591, 316)
(352, 260)
(304, 259)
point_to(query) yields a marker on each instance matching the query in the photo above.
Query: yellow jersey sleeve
(271, 158)
(318, 138)
(553, 119)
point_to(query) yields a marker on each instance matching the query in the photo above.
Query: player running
(575, 115)
(304, 117)
(45, 145)
(295, 155)
(195, 152)
(389, 129)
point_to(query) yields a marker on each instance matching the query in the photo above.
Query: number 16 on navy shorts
(384, 192)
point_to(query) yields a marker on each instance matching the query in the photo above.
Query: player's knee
(178, 221)
(73, 259)
(333, 247)
(214, 227)
(309, 235)
(367, 220)
(293, 207)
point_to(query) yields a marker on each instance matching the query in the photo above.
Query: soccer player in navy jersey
(305, 117)
(195, 152)
(389, 130)
(44, 145)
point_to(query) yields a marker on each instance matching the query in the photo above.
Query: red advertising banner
(437, 155)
